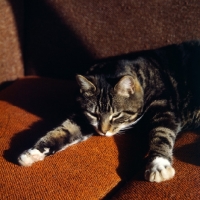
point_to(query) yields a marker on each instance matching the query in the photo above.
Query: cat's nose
(104, 127)
(100, 129)
(107, 133)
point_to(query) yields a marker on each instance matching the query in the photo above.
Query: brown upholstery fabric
(94, 169)
(88, 170)
(184, 186)
(65, 35)
(11, 62)
(59, 38)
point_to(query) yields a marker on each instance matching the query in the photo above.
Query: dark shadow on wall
(50, 47)
(44, 97)
(5, 84)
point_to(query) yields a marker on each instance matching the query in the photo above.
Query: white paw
(159, 170)
(27, 158)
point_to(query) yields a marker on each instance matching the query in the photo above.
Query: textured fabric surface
(11, 32)
(94, 169)
(66, 35)
(88, 170)
(60, 38)
(184, 186)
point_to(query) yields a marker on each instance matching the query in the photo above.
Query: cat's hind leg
(67, 134)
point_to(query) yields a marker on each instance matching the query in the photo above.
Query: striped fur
(161, 86)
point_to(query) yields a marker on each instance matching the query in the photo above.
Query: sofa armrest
(11, 30)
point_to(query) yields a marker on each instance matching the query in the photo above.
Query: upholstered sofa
(43, 44)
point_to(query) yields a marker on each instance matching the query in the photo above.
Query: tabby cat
(161, 85)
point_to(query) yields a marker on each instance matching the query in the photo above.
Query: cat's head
(110, 105)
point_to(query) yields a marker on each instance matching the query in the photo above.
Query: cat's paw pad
(159, 170)
(27, 158)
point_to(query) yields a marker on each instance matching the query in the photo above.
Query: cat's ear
(125, 86)
(86, 86)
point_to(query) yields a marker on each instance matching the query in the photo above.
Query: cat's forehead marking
(104, 101)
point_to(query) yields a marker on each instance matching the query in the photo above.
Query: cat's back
(191, 61)
(181, 61)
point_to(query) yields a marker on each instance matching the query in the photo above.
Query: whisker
(126, 128)
(120, 133)
(132, 124)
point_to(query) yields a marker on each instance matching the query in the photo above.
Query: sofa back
(63, 37)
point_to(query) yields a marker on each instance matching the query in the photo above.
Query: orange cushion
(94, 169)
(89, 170)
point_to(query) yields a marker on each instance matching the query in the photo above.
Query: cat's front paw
(30, 156)
(159, 170)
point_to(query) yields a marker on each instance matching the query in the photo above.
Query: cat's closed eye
(115, 116)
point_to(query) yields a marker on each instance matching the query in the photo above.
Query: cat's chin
(107, 134)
